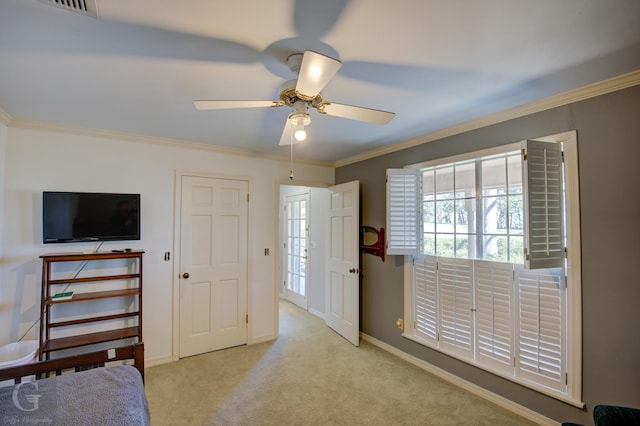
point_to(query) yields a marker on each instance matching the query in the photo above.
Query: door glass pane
(296, 245)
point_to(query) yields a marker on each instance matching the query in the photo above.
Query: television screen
(85, 216)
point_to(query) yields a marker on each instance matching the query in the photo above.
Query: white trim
(468, 386)
(317, 313)
(564, 98)
(157, 361)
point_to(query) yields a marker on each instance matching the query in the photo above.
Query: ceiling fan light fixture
(299, 133)
(298, 121)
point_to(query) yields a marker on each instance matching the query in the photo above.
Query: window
(491, 282)
(474, 209)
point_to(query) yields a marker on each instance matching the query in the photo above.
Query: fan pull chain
(291, 170)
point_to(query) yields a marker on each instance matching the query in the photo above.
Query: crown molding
(154, 140)
(5, 118)
(592, 90)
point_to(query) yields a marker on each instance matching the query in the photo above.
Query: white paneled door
(297, 221)
(213, 264)
(343, 261)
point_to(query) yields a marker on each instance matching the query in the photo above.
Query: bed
(108, 395)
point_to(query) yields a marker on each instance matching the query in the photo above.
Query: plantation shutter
(404, 211)
(426, 297)
(544, 234)
(456, 302)
(494, 310)
(541, 325)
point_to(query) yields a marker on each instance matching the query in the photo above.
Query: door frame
(175, 262)
(278, 256)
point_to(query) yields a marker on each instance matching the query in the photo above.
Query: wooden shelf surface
(96, 295)
(92, 279)
(93, 319)
(71, 257)
(88, 339)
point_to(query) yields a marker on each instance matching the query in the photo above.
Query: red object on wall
(377, 248)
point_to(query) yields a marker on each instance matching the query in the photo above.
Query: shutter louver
(456, 301)
(404, 211)
(545, 233)
(541, 326)
(426, 298)
(494, 310)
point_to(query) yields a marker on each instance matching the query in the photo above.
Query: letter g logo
(31, 398)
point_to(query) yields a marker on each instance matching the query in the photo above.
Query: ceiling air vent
(83, 7)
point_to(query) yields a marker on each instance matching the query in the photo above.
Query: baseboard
(468, 386)
(152, 362)
(261, 339)
(316, 313)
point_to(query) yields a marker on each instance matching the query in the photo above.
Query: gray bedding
(102, 396)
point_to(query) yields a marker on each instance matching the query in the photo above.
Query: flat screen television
(69, 217)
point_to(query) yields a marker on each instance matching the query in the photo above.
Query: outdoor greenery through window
(474, 209)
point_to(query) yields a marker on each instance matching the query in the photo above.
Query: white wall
(319, 206)
(38, 160)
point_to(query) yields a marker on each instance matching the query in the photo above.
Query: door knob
(185, 275)
(354, 271)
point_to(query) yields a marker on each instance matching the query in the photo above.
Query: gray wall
(608, 129)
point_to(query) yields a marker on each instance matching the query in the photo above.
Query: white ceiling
(138, 68)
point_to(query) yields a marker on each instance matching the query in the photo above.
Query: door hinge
(247, 198)
(514, 361)
(566, 378)
(246, 318)
(284, 283)
(562, 154)
(524, 154)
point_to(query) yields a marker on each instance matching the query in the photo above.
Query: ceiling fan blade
(356, 113)
(207, 105)
(286, 137)
(315, 72)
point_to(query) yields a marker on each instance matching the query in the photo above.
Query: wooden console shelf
(52, 286)
(89, 339)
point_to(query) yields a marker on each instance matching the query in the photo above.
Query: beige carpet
(309, 376)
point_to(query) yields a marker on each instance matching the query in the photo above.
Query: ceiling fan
(314, 72)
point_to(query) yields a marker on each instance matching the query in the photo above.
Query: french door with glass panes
(297, 209)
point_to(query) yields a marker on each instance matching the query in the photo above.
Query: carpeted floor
(309, 376)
